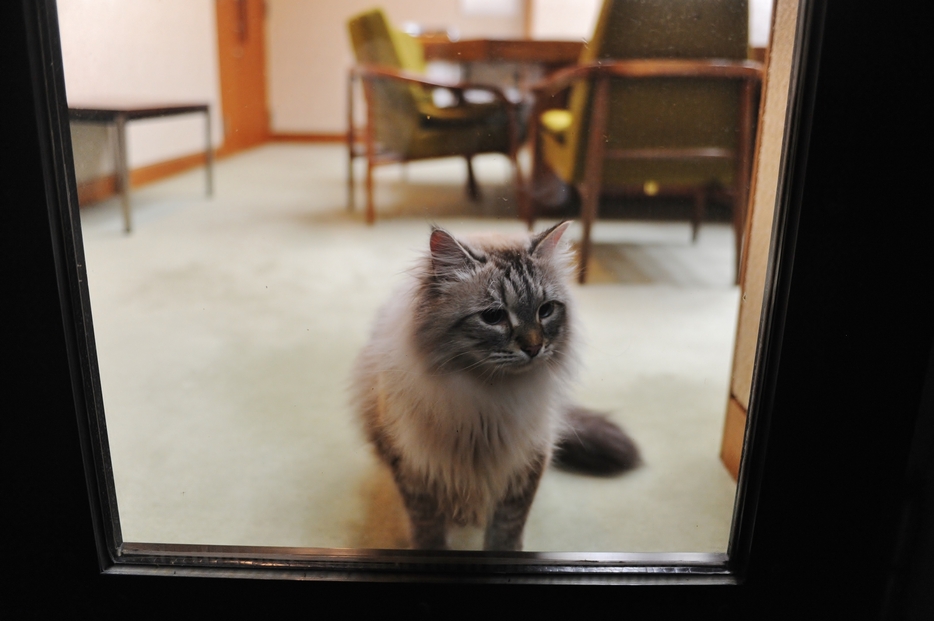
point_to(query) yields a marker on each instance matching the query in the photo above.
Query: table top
(108, 112)
(512, 50)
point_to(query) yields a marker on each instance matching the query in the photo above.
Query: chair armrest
(649, 68)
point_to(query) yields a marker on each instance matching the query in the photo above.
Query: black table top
(108, 113)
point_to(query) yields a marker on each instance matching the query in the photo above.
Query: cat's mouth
(524, 361)
(510, 362)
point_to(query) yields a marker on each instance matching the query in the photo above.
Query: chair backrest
(376, 42)
(664, 112)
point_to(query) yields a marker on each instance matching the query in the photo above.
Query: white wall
(166, 50)
(575, 19)
(140, 51)
(572, 20)
(308, 50)
(760, 22)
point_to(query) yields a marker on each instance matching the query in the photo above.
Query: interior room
(244, 228)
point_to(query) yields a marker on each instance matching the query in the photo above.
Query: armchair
(661, 103)
(403, 122)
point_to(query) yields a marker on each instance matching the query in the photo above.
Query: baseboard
(104, 187)
(161, 170)
(96, 190)
(309, 137)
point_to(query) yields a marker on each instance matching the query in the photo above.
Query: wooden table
(118, 116)
(534, 58)
(551, 53)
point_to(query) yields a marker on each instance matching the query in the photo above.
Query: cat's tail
(591, 444)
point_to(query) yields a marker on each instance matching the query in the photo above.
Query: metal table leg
(123, 175)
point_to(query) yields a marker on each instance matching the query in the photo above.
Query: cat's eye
(546, 310)
(493, 316)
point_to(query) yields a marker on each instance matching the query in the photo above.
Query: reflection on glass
(227, 326)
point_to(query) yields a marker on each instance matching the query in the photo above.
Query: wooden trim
(161, 170)
(241, 26)
(734, 433)
(102, 188)
(668, 154)
(230, 148)
(650, 68)
(96, 190)
(327, 137)
(556, 53)
(527, 8)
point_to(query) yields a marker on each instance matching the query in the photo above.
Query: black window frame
(840, 394)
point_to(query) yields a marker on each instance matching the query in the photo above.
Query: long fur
(467, 413)
(591, 444)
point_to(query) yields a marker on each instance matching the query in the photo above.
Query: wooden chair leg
(593, 173)
(523, 191)
(591, 196)
(473, 192)
(370, 209)
(370, 145)
(519, 180)
(528, 208)
(350, 143)
(351, 204)
(700, 206)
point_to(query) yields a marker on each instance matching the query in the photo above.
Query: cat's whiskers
(476, 364)
(441, 366)
(553, 365)
(491, 371)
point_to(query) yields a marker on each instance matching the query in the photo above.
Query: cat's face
(495, 307)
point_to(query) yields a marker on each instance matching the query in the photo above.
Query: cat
(463, 386)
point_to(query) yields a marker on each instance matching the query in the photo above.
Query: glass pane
(231, 301)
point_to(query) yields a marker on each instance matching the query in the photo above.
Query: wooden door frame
(841, 389)
(227, 92)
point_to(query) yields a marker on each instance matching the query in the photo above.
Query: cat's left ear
(449, 256)
(545, 243)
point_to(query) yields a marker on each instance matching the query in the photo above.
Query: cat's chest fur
(455, 426)
(462, 385)
(466, 439)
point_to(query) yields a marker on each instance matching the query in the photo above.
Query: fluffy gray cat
(463, 386)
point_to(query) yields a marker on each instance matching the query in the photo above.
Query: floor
(225, 329)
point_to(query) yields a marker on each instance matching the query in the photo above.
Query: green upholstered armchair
(660, 103)
(403, 122)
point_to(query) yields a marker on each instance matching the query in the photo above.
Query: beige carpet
(226, 327)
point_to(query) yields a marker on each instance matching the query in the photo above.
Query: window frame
(796, 525)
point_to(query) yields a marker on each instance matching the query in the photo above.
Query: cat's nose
(532, 350)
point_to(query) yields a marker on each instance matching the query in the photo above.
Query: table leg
(123, 175)
(208, 154)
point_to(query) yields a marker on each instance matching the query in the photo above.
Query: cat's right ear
(545, 243)
(449, 257)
